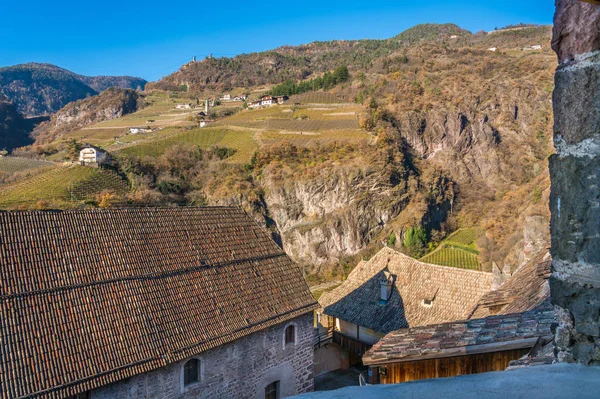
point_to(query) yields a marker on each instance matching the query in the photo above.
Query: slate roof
(91, 297)
(454, 291)
(490, 334)
(526, 290)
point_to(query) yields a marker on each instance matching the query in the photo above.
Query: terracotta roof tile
(91, 297)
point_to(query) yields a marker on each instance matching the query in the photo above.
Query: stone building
(392, 291)
(150, 303)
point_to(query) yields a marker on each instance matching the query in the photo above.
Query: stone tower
(206, 107)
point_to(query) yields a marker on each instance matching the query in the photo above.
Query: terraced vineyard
(204, 138)
(465, 237)
(301, 139)
(12, 165)
(458, 250)
(454, 257)
(315, 98)
(299, 125)
(61, 185)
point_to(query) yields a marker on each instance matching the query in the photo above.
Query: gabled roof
(526, 290)
(91, 297)
(475, 336)
(454, 292)
(94, 147)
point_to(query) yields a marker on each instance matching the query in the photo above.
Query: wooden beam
(596, 2)
(460, 351)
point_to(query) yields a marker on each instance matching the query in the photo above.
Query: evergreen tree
(341, 74)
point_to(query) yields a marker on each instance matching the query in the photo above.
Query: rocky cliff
(110, 104)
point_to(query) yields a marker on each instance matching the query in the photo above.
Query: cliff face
(110, 104)
(39, 89)
(332, 215)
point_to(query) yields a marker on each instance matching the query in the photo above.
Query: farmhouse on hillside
(508, 326)
(90, 155)
(138, 130)
(150, 303)
(267, 101)
(392, 291)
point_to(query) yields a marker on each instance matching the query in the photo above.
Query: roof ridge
(430, 264)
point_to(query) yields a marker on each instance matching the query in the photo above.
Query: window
(272, 390)
(191, 372)
(290, 334)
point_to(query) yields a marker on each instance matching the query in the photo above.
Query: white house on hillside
(92, 155)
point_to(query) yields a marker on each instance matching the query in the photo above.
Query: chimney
(386, 282)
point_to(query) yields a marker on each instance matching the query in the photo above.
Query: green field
(15, 164)
(61, 184)
(466, 237)
(239, 140)
(458, 250)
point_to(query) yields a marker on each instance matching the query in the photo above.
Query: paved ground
(336, 379)
(557, 381)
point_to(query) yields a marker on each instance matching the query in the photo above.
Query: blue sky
(153, 38)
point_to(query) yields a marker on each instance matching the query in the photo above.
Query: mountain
(14, 128)
(483, 117)
(429, 133)
(294, 62)
(111, 104)
(425, 32)
(38, 89)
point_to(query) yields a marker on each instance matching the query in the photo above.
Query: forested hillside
(14, 128)
(38, 89)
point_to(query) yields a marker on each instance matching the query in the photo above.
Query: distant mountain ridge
(38, 89)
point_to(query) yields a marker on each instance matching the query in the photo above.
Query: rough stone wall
(240, 369)
(575, 174)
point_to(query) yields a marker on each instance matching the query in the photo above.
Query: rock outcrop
(110, 104)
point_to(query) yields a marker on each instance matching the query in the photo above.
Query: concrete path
(336, 379)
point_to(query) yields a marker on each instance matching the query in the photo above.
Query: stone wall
(241, 369)
(575, 174)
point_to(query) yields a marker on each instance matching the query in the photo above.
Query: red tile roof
(88, 298)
